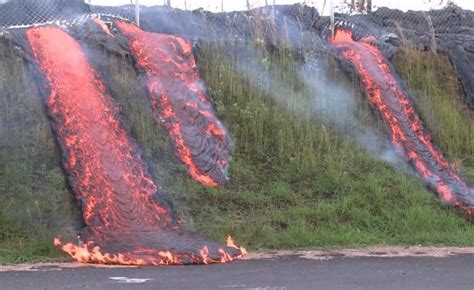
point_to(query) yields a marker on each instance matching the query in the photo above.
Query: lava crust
(126, 219)
(179, 102)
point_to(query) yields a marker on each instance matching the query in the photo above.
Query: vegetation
(35, 202)
(298, 180)
(439, 101)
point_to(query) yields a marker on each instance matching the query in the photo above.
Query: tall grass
(35, 202)
(439, 100)
(298, 181)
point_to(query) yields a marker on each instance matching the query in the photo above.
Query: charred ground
(296, 180)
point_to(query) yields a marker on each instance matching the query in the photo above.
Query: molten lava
(179, 102)
(406, 130)
(126, 220)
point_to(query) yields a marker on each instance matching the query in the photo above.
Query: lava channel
(126, 220)
(179, 102)
(407, 134)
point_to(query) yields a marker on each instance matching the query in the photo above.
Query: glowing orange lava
(126, 220)
(406, 130)
(179, 103)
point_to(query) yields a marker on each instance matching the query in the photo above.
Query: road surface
(288, 271)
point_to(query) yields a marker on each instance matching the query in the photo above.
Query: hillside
(311, 162)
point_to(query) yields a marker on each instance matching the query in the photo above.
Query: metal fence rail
(30, 12)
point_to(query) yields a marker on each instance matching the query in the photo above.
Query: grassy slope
(296, 181)
(35, 203)
(440, 102)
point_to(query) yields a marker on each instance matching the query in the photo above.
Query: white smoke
(332, 103)
(337, 104)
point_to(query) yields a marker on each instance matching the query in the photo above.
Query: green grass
(439, 100)
(297, 180)
(35, 202)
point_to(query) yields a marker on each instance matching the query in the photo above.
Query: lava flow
(179, 102)
(126, 220)
(406, 130)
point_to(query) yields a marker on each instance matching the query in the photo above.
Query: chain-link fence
(18, 13)
(30, 12)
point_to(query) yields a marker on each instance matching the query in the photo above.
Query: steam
(331, 103)
(337, 105)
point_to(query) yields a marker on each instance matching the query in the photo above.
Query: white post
(331, 11)
(137, 12)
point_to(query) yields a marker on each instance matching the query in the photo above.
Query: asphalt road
(288, 272)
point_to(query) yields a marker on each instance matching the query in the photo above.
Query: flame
(125, 222)
(232, 244)
(205, 255)
(88, 253)
(179, 102)
(406, 130)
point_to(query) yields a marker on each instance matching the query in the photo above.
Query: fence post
(137, 12)
(331, 12)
